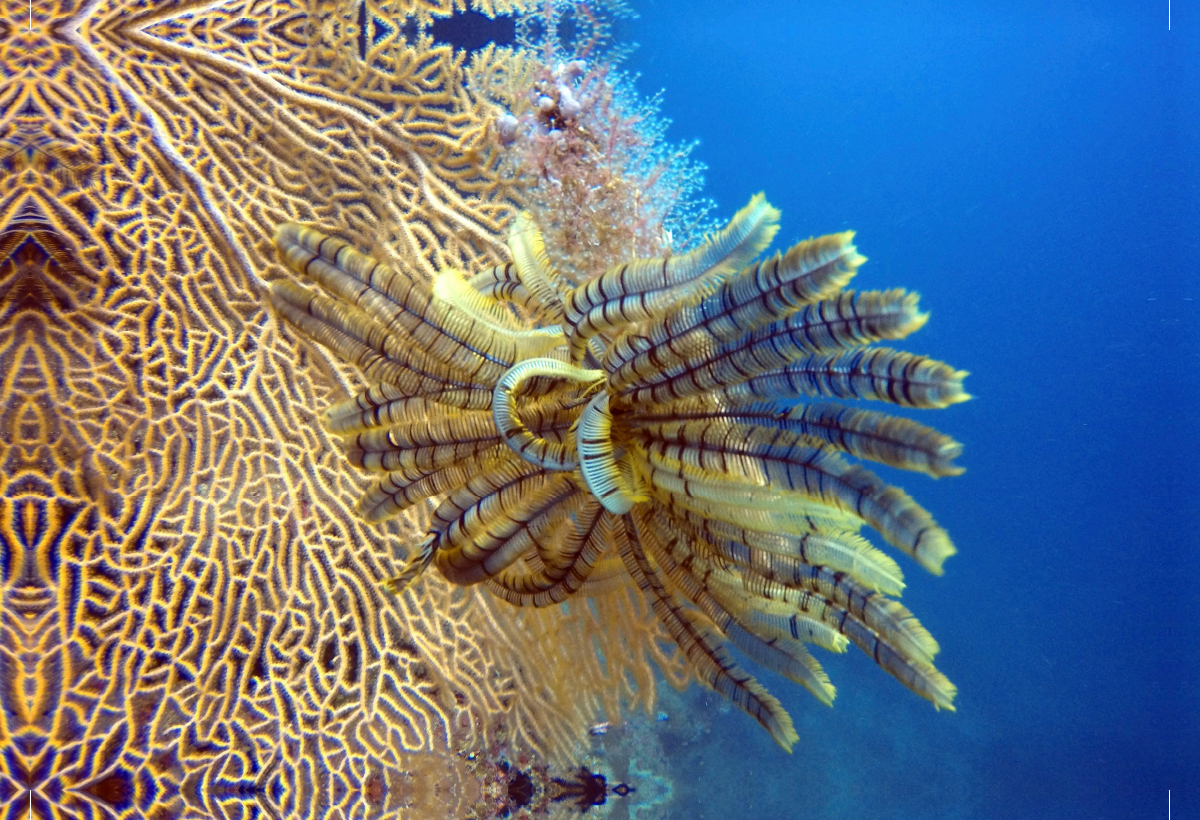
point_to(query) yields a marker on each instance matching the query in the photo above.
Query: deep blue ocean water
(1032, 170)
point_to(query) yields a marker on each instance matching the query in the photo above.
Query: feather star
(647, 424)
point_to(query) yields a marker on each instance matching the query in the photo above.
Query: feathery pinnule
(466, 293)
(818, 593)
(607, 578)
(767, 618)
(472, 547)
(704, 649)
(910, 665)
(485, 484)
(786, 632)
(867, 434)
(772, 289)
(642, 289)
(398, 303)
(481, 485)
(503, 284)
(449, 288)
(738, 499)
(873, 373)
(683, 462)
(533, 267)
(679, 473)
(780, 458)
(499, 528)
(413, 463)
(561, 576)
(782, 578)
(425, 431)
(838, 550)
(383, 404)
(785, 622)
(398, 490)
(673, 555)
(876, 436)
(881, 614)
(758, 295)
(358, 339)
(846, 321)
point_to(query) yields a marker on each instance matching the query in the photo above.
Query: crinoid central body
(650, 423)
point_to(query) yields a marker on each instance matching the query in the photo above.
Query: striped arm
(672, 552)
(452, 290)
(598, 464)
(917, 673)
(881, 628)
(498, 528)
(417, 563)
(760, 294)
(400, 489)
(868, 434)
(426, 431)
(706, 652)
(503, 284)
(358, 339)
(514, 432)
(591, 534)
(840, 550)
(740, 499)
(384, 404)
(401, 305)
(846, 321)
(882, 614)
(878, 373)
(534, 269)
(415, 462)
(778, 458)
(641, 289)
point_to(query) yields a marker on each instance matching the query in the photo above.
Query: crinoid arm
(685, 459)
(646, 288)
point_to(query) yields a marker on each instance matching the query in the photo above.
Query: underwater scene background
(208, 606)
(1033, 170)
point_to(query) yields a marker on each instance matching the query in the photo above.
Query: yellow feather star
(652, 422)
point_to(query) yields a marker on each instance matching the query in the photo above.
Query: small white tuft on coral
(568, 106)
(507, 126)
(570, 71)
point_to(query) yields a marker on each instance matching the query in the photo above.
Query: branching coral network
(185, 584)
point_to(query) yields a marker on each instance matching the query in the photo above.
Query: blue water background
(1031, 170)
